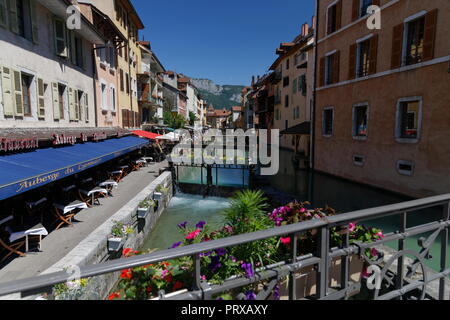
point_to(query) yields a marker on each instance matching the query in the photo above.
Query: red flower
(127, 252)
(114, 295)
(178, 285)
(286, 241)
(126, 274)
(193, 235)
(149, 289)
(169, 278)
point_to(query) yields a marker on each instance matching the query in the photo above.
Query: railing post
(444, 246)
(401, 261)
(324, 250)
(292, 283)
(345, 262)
(197, 272)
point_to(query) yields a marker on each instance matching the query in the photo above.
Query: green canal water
(289, 184)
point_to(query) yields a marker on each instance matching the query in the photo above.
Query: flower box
(115, 244)
(157, 196)
(142, 213)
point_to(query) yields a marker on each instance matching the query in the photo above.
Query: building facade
(382, 95)
(46, 69)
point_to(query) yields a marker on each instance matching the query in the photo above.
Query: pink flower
(193, 235)
(352, 227)
(374, 252)
(365, 274)
(380, 235)
(203, 278)
(302, 210)
(286, 241)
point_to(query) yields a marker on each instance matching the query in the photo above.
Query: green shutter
(55, 102)
(8, 106)
(41, 99)
(13, 19)
(34, 22)
(3, 14)
(18, 102)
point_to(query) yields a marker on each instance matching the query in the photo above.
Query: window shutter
(86, 106)
(13, 19)
(294, 86)
(71, 105)
(60, 38)
(55, 95)
(3, 14)
(304, 85)
(34, 22)
(352, 61)
(41, 98)
(429, 35)
(336, 64)
(373, 54)
(18, 111)
(338, 14)
(397, 46)
(8, 108)
(72, 49)
(322, 72)
(77, 105)
(355, 10)
(329, 21)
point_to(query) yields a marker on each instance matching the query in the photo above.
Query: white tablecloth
(94, 191)
(109, 183)
(36, 231)
(71, 207)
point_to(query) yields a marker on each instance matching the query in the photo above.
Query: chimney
(253, 80)
(306, 29)
(258, 78)
(313, 25)
(303, 29)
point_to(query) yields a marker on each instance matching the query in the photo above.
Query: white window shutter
(3, 14)
(8, 106)
(34, 22)
(13, 19)
(41, 99)
(71, 105)
(55, 95)
(86, 106)
(77, 106)
(18, 102)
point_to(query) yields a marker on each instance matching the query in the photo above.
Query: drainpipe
(94, 73)
(313, 111)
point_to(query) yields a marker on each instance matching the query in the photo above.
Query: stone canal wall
(94, 249)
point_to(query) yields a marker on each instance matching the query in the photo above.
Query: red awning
(146, 134)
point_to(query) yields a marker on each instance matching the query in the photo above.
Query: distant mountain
(219, 96)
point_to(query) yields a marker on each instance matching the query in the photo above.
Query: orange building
(381, 114)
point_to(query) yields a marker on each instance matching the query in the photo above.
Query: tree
(174, 121)
(192, 118)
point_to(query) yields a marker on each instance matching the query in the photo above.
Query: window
(329, 72)
(405, 168)
(286, 101)
(121, 81)
(334, 17)
(287, 64)
(294, 86)
(79, 58)
(286, 125)
(302, 84)
(327, 124)
(127, 79)
(409, 119)
(358, 160)
(285, 82)
(60, 38)
(360, 120)
(363, 59)
(415, 31)
(104, 96)
(61, 99)
(113, 99)
(79, 104)
(24, 23)
(365, 4)
(26, 88)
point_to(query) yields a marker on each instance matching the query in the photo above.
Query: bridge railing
(320, 259)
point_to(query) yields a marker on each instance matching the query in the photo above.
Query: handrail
(48, 280)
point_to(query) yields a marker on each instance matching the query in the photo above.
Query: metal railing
(321, 259)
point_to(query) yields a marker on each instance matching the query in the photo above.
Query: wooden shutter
(40, 98)
(338, 14)
(397, 46)
(352, 61)
(77, 105)
(8, 106)
(322, 72)
(329, 21)
(13, 19)
(34, 22)
(336, 64)
(71, 105)
(18, 102)
(355, 9)
(3, 14)
(86, 106)
(55, 101)
(429, 35)
(373, 54)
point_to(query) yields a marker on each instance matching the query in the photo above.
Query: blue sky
(225, 41)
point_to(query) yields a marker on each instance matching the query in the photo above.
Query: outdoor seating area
(27, 218)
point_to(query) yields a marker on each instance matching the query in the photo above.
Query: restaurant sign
(8, 145)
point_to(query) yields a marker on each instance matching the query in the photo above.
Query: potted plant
(118, 236)
(145, 207)
(160, 192)
(71, 290)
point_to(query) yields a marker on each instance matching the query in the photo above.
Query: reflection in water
(183, 208)
(346, 196)
(221, 177)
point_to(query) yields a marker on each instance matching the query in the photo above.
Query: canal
(288, 185)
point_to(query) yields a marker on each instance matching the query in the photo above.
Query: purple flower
(221, 252)
(276, 292)
(248, 269)
(215, 264)
(183, 225)
(206, 254)
(200, 225)
(250, 295)
(233, 259)
(176, 245)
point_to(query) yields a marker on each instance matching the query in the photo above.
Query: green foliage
(192, 118)
(121, 230)
(162, 189)
(147, 203)
(174, 121)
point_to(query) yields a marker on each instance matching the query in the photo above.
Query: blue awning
(26, 171)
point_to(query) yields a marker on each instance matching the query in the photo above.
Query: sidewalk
(60, 242)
